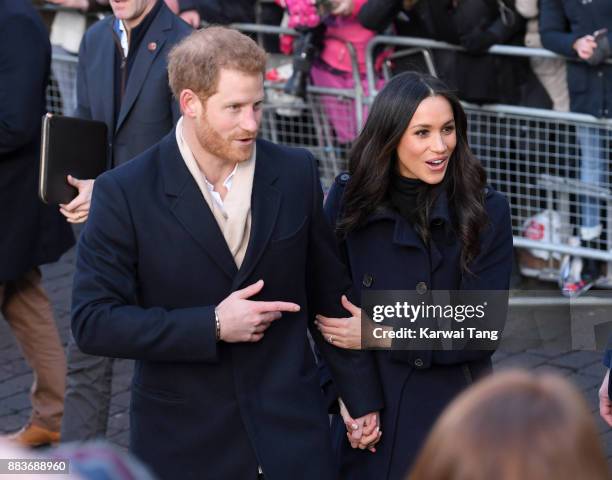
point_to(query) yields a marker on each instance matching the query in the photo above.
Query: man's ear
(190, 103)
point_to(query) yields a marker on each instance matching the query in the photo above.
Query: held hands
(342, 332)
(605, 404)
(243, 320)
(77, 210)
(363, 432)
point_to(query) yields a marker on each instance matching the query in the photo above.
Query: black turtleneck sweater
(403, 195)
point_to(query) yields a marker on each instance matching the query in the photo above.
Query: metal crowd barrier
(532, 156)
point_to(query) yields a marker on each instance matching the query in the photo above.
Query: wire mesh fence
(61, 92)
(554, 172)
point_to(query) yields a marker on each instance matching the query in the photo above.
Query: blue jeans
(594, 171)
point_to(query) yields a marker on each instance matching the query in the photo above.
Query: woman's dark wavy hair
(373, 159)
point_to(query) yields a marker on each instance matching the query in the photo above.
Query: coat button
(345, 177)
(418, 363)
(600, 74)
(421, 288)
(367, 280)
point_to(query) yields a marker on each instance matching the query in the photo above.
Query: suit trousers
(28, 311)
(88, 394)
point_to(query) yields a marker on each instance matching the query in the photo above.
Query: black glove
(602, 52)
(477, 41)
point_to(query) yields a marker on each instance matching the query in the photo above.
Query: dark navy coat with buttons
(562, 22)
(387, 254)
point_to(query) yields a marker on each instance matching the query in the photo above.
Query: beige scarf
(234, 219)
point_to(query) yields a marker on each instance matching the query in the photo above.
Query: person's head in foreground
(514, 426)
(417, 130)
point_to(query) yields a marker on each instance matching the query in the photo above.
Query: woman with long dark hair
(413, 213)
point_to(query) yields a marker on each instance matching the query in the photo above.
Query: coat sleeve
(554, 28)
(106, 317)
(24, 61)
(502, 32)
(377, 15)
(490, 277)
(353, 372)
(83, 108)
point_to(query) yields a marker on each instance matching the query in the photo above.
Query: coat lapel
(405, 235)
(190, 208)
(143, 61)
(265, 204)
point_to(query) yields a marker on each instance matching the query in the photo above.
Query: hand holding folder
(70, 146)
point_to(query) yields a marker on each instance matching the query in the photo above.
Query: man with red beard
(205, 259)
(122, 80)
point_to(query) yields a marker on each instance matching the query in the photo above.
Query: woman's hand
(363, 432)
(342, 332)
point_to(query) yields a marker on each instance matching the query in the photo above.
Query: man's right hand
(77, 210)
(244, 320)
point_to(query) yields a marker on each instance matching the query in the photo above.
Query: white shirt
(216, 196)
(123, 38)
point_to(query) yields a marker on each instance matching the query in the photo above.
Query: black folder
(70, 146)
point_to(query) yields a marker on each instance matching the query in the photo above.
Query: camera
(308, 21)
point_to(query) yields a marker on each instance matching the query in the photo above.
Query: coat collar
(195, 216)
(439, 211)
(406, 236)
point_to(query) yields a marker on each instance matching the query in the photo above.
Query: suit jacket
(32, 233)
(153, 264)
(148, 110)
(562, 22)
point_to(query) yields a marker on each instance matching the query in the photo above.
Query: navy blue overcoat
(152, 265)
(387, 254)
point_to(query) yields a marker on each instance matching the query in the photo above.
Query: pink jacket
(346, 29)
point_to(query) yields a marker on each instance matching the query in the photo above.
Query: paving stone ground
(583, 368)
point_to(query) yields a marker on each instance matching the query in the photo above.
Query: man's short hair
(196, 62)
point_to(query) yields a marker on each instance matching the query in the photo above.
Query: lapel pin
(152, 46)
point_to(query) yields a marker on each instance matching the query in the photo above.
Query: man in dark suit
(32, 233)
(122, 80)
(205, 259)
